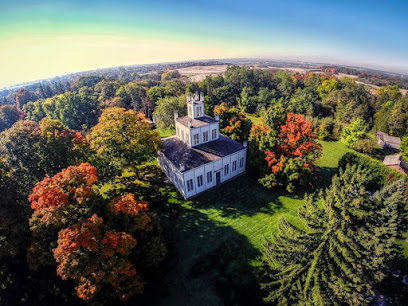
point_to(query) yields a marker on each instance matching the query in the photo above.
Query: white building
(198, 157)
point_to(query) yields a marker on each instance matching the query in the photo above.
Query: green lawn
(254, 119)
(165, 132)
(218, 236)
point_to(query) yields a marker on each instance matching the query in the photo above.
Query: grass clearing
(218, 235)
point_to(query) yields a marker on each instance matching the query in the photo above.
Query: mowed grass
(232, 218)
(165, 132)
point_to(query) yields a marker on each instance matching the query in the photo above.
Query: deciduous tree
(125, 137)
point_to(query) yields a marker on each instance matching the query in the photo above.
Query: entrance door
(218, 177)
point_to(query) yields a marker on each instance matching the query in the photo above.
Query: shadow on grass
(208, 263)
(241, 196)
(324, 177)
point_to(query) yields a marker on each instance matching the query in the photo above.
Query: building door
(218, 177)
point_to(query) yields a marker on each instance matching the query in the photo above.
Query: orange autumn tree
(292, 157)
(95, 258)
(233, 123)
(106, 246)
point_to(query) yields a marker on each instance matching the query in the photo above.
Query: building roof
(179, 153)
(391, 160)
(390, 141)
(197, 122)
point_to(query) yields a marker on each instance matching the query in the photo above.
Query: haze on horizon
(42, 39)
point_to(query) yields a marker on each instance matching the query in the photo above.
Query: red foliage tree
(99, 256)
(69, 188)
(297, 140)
(94, 258)
(294, 155)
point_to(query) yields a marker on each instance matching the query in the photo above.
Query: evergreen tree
(341, 252)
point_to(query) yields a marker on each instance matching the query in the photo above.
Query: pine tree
(341, 252)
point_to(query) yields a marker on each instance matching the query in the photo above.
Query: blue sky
(40, 39)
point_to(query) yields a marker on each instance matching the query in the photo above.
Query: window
(214, 133)
(234, 165)
(196, 139)
(199, 181)
(241, 162)
(226, 169)
(205, 136)
(199, 113)
(190, 185)
(178, 132)
(209, 177)
(182, 135)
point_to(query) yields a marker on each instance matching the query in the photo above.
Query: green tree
(342, 250)
(9, 114)
(326, 87)
(387, 93)
(165, 108)
(155, 93)
(352, 133)
(125, 137)
(76, 111)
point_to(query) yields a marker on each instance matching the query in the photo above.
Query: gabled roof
(179, 153)
(390, 141)
(197, 122)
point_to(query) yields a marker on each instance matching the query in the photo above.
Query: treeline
(374, 78)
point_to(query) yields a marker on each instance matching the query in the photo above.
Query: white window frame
(190, 185)
(241, 162)
(226, 169)
(205, 133)
(209, 177)
(214, 133)
(196, 141)
(234, 165)
(200, 181)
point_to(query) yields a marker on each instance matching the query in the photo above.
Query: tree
(385, 94)
(293, 154)
(23, 96)
(155, 93)
(354, 132)
(76, 111)
(9, 114)
(233, 123)
(33, 150)
(34, 110)
(342, 250)
(165, 108)
(326, 87)
(127, 240)
(125, 137)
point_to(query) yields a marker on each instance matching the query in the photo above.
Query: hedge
(381, 173)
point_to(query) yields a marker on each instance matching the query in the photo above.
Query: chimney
(175, 115)
(245, 144)
(188, 97)
(196, 96)
(217, 117)
(182, 167)
(201, 96)
(190, 123)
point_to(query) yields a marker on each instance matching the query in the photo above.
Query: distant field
(199, 73)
